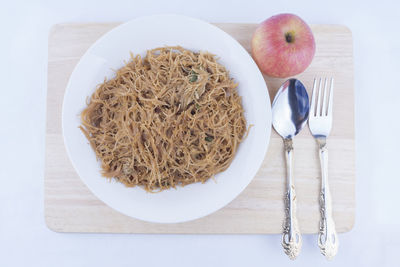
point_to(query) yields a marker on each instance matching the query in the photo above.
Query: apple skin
(283, 46)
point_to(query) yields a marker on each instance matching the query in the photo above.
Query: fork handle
(291, 238)
(328, 241)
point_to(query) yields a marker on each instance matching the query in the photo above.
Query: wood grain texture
(71, 207)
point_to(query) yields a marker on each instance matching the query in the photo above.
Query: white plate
(137, 36)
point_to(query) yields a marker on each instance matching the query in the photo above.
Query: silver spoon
(289, 115)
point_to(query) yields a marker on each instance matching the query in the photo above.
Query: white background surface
(24, 237)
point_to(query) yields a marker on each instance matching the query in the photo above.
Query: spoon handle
(291, 238)
(328, 241)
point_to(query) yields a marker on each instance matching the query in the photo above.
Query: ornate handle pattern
(328, 241)
(291, 238)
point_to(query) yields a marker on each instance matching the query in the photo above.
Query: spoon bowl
(290, 108)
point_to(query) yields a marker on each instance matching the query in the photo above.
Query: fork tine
(330, 102)
(324, 110)
(318, 113)
(314, 93)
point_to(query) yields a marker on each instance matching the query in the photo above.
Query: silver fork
(320, 123)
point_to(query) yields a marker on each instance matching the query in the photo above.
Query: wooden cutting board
(71, 207)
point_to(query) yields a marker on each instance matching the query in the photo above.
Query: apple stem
(289, 36)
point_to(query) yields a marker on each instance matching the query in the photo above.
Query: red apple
(283, 46)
